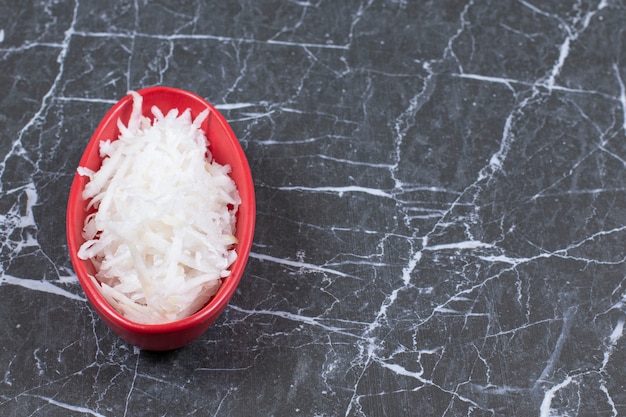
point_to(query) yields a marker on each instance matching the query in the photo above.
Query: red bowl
(226, 150)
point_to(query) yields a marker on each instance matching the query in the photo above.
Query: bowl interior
(225, 149)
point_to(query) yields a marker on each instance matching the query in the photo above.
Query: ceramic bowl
(226, 149)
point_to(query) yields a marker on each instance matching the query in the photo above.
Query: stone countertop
(441, 199)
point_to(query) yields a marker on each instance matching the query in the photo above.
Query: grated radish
(161, 238)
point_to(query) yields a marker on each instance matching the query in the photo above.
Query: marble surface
(441, 206)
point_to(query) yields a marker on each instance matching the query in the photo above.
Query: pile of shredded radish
(162, 235)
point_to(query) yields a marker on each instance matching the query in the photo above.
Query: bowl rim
(229, 284)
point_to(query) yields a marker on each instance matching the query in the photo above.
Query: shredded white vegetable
(162, 235)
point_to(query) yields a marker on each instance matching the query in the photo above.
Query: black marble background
(441, 206)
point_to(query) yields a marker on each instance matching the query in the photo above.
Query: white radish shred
(161, 238)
